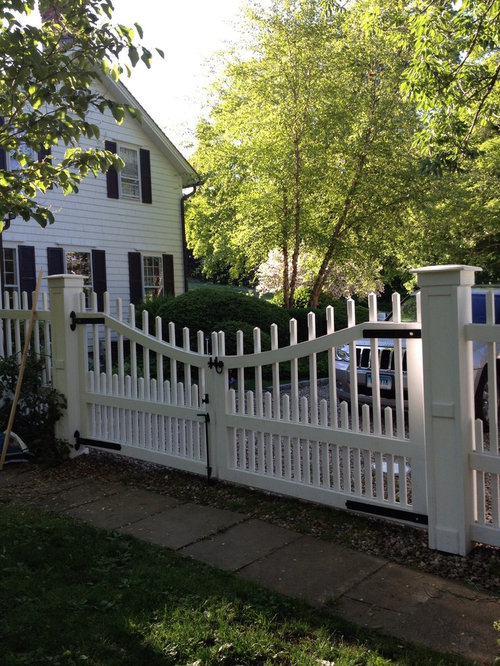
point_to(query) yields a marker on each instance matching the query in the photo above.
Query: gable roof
(189, 177)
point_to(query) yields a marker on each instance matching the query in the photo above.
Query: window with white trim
(130, 177)
(152, 275)
(79, 263)
(10, 270)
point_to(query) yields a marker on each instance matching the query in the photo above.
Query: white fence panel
(142, 397)
(297, 437)
(485, 456)
(14, 316)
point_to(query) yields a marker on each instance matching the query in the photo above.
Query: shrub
(204, 309)
(153, 305)
(231, 328)
(39, 407)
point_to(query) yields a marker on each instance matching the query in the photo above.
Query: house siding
(90, 220)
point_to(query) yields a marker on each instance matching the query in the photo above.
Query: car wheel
(482, 397)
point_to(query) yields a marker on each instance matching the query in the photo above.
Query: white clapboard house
(123, 230)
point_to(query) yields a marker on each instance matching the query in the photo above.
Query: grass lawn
(70, 595)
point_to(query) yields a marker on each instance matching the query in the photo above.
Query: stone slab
(425, 609)
(62, 499)
(183, 525)
(313, 570)
(241, 545)
(127, 505)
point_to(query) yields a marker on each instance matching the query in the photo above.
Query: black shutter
(147, 196)
(43, 154)
(168, 274)
(55, 261)
(135, 276)
(99, 276)
(27, 270)
(3, 156)
(112, 173)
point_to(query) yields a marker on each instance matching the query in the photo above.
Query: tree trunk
(340, 227)
(296, 220)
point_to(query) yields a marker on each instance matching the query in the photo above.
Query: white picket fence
(273, 420)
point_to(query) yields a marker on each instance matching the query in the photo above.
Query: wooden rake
(21, 370)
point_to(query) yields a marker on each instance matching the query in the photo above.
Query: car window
(479, 308)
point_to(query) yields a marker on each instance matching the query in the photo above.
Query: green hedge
(210, 310)
(206, 309)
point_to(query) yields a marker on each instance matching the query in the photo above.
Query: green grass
(71, 595)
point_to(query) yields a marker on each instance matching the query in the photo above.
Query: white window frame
(150, 289)
(124, 195)
(89, 279)
(11, 287)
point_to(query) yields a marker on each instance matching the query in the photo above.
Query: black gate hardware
(387, 512)
(81, 441)
(218, 365)
(205, 400)
(207, 421)
(392, 333)
(81, 320)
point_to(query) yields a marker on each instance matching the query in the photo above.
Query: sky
(172, 92)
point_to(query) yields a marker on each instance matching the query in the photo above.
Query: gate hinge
(215, 363)
(80, 320)
(206, 416)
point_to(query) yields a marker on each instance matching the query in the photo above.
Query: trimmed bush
(205, 309)
(231, 328)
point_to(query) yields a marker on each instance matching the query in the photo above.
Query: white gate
(140, 396)
(271, 419)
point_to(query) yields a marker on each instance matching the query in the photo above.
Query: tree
(47, 90)
(308, 145)
(253, 148)
(452, 74)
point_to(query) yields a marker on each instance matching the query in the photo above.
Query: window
(134, 180)
(10, 271)
(150, 275)
(24, 153)
(90, 264)
(79, 263)
(130, 186)
(152, 268)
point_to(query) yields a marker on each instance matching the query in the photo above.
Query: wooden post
(21, 371)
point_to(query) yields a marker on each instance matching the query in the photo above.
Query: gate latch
(215, 363)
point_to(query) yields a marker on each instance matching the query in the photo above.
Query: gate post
(448, 404)
(64, 291)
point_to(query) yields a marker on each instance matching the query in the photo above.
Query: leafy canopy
(48, 92)
(308, 147)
